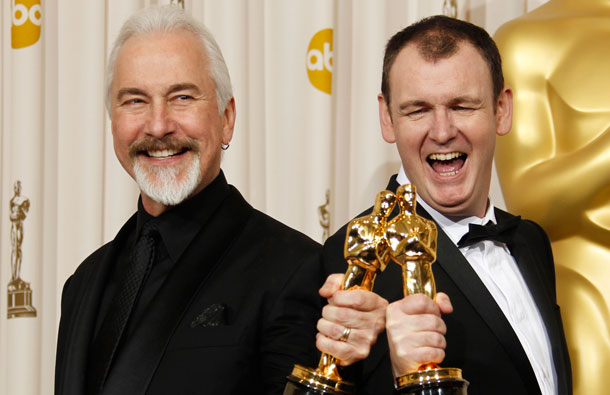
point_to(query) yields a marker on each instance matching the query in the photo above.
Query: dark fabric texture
(480, 340)
(107, 340)
(233, 315)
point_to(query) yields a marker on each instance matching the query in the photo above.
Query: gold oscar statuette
(412, 244)
(19, 292)
(367, 254)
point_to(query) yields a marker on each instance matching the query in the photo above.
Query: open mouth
(447, 164)
(162, 154)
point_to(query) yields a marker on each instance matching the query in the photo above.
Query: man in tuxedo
(199, 292)
(443, 102)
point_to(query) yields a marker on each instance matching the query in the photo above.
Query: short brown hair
(438, 37)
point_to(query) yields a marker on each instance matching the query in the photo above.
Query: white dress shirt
(498, 270)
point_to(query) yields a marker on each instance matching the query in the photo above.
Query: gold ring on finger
(345, 335)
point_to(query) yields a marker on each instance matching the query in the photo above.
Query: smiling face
(444, 121)
(166, 124)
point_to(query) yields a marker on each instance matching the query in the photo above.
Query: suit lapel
(521, 250)
(83, 319)
(136, 364)
(542, 291)
(457, 268)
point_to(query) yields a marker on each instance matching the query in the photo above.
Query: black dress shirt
(177, 227)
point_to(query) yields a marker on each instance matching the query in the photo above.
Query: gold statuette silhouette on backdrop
(324, 216)
(367, 254)
(19, 292)
(554, 166)
(412, 242)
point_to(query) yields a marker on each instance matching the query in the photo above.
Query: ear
(228, 118)
(504, 112)
(385, 120)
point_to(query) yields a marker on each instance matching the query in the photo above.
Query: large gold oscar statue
(554, 167)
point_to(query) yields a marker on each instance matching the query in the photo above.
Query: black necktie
(502, 232)
(129, 287)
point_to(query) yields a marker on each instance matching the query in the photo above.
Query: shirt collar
(455, 229)
(179, 225)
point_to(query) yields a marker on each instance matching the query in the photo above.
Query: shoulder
(262, 228)
(533, 232)
(273, 232)
(92, 263)
(265, 242)
(532, 238)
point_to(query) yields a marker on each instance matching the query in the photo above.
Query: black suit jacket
(262, 275)
(480, 339)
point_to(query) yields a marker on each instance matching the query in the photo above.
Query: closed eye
(135, 100)
(183, 97)
(181, 101)
(462, 108)
(417, 112)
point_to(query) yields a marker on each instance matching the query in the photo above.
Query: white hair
(168, 19)
(161, 183)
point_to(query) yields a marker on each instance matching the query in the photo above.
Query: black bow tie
(502, 232)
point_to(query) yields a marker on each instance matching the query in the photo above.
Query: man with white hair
(199, 292)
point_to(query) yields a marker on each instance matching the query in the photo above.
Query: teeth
(448, 156)
(162, 154)
(449, 173)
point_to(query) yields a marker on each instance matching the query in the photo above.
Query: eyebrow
(412, 103)
(455, 101)
(466, 99)
(183, 87)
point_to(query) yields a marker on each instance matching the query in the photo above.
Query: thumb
(444, 303)
(331, 285)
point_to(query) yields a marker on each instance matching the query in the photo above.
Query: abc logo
(320, 60)
(27, 18)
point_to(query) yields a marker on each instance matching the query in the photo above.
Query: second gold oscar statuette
(412, 242)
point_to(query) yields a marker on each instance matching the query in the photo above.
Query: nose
(160, 122)
(442, 129)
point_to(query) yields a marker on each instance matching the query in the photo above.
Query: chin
(453, 206)
(170, 185)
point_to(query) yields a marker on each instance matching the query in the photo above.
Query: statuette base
(306, 381)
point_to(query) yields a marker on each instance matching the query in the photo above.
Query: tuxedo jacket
(480, 340)
(260, 275)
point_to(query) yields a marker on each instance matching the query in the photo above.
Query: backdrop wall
(307, 147)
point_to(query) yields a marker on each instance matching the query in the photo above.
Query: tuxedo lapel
(453, 263)
(543, 292)
(81, 325)
(530, 269)
(136, 364)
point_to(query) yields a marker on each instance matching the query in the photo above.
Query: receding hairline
(441, 34)
(145, 36)
(423, 49)
(169, 19)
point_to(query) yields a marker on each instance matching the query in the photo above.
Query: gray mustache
(165, 143)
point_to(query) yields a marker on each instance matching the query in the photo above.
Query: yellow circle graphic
(26, 20)
(319, 60)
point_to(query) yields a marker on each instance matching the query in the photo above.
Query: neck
(153, 207)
